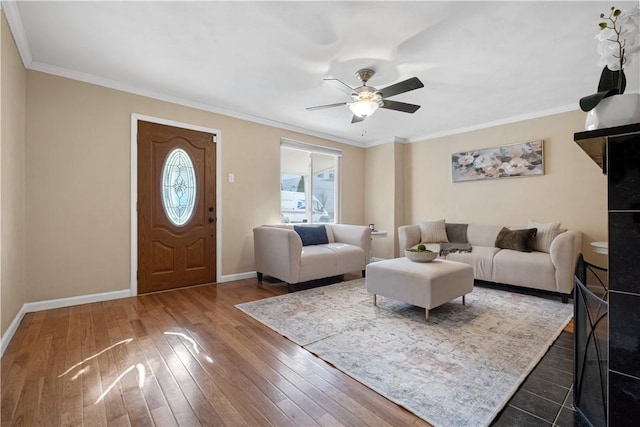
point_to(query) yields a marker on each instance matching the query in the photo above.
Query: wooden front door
(176, 207)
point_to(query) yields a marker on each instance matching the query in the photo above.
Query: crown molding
(486, 125)
(12, 14)
(501, 122)
(112, 84)
(17, 29)
(10, 9)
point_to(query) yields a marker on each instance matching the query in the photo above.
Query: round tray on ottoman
(420, 256)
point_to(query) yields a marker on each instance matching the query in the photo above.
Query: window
(178, 187)
(308, 182)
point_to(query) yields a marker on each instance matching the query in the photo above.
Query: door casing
(134, 192)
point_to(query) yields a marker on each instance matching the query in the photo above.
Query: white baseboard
(82, 299)
(31, 307)
(11, 330)
(239, 276)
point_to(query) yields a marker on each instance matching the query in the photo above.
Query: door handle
(211, 220)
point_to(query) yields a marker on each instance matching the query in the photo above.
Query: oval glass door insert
(178, 187)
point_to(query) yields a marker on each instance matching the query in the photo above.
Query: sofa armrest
(564, 253)
(408, 235)
(277, 252)
(358, 235)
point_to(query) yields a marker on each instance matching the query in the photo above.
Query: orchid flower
(619, 37)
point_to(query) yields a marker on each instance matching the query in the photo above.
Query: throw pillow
(433, 231)
(312, 234)
(518, 240)
(457, 233)
(547, 231)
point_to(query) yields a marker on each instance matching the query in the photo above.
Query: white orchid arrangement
(619, 37)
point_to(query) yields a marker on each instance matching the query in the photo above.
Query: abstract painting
(523, 159)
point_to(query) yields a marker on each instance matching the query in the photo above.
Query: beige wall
(12, 178)
(379, 201)
(384, 195)
(78, 199)
(572, 191)
(399, 196)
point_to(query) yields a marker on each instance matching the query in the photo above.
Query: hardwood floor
(186, 357)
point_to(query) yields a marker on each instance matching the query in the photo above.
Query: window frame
(309, 190)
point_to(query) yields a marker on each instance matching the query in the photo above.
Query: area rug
(458, 369)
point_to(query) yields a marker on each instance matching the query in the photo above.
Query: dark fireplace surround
(607, 333)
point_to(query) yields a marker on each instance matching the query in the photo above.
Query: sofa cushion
(456, 233)
(547, 231)
(433, 231)
(480, 258)
(347, 256)
(519, 240)
(312, 234)
(482, 235)
(317, 261)
(532, 270)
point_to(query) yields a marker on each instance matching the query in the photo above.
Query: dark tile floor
(546, 396)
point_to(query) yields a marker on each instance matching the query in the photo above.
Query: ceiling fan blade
(401, 87)
(399, 106)
(340, 85)
(356, 119)
(320, 107)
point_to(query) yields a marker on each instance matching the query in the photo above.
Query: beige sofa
(551, 271)
(279, 252)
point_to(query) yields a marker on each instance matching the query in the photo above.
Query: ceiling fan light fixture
(363, 108)
(367, 99)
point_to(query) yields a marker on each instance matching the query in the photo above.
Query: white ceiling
(482, 63)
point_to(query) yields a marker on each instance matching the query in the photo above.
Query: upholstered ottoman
(426, 285)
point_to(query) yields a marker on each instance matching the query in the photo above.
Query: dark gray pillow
(518, 240)
(457, 233)
(312, 234)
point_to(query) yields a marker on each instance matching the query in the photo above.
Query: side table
(600, 247)
(376, 234)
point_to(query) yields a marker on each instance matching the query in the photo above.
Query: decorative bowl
(420, 256)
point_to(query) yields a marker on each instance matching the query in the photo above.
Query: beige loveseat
(552, 271)
(279, 252)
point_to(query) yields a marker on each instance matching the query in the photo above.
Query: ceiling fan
(367, 99)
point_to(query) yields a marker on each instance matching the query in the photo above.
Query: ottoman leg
(426, 314)
(375, 299)
(463, 300)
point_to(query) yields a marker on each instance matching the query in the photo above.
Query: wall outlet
(232, 178)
